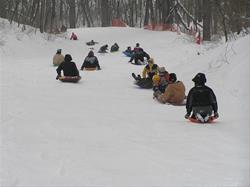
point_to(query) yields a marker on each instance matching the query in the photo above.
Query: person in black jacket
(114, 47)
(91, 62)
(138, 55)
(103, 49)
(68, 67)
(201, 100)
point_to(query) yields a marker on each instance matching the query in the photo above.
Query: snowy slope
(104, 131)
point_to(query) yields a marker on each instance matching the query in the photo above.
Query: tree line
(215, 17)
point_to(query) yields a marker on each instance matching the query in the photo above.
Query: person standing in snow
(68, 67)
(58, 58)
(201, 100)
(174, 93)
(91, 62)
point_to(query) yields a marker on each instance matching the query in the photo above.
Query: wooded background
(217, 17)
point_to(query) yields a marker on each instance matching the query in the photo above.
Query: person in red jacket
(73, 36)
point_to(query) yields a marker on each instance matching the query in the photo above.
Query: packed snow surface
(104, 130)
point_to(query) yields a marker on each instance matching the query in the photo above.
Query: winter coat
(58, 59)
(114, 48)
(174, 93)
(90, 62)
(103, 49)
(150, 70)
(201, 95)
(73, 36)
(68, 67)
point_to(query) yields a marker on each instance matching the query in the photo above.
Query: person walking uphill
(201, 100)
(91, 62)
(68, 67)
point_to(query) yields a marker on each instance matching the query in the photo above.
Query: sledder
(103, 49)
(161, 80)
(70, 71)
(91, 62)
(114, 48)
(201, 100)
(174, 92)
(91, 43)
(73, 36)
(138, 56)
(148, 72)
(58, 58)
(128, 52)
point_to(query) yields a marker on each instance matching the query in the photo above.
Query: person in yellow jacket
(150, 69)
(174, 92)
(58, 58)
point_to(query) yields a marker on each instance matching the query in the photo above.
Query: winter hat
(58, 50)
(67, 58)
(151, 60)
(91, 54)
(200, 78)
(172, 77)
(137, 45)
(162, 70)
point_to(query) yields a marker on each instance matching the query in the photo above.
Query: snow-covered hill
(104, 131)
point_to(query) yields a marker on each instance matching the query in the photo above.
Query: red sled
(210, 120)
(73, 79)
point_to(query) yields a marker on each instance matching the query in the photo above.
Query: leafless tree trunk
(206, 20)
(72, 13)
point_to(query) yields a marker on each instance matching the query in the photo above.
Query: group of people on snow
(137, 55)
(200, 102)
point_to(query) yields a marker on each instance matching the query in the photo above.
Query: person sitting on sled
(150, 69)
(138, 55)
(128, 52)
(201, 100)
(73, 36)
(161, 80)
(103, 49)
(174, 92)
(58, 58)
(114, 47)
(91, 62)
(148, 72)
(92, 42)
(68, 67)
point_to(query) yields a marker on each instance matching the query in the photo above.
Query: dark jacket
(103, 49)
(90, 62)
(68, 67)
(201, 95)
(114, 48)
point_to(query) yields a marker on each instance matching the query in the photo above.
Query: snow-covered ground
(104, 131)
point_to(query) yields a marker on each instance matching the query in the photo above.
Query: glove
(216, 115)
(187, 115)
(57, 77)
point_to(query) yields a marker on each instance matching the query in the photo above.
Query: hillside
(104, 131)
